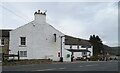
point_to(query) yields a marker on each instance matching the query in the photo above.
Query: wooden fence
(6, 56)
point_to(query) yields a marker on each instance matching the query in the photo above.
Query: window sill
(2, 45)
(22, 45)
(23, 56)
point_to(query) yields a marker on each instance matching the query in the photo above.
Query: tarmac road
(68, 66)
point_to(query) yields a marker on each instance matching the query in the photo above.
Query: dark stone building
(4, 41)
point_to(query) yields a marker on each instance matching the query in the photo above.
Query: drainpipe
(61, 58)
(86, 53)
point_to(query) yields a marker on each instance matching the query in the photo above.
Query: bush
(6, 61)
(68, 55)
(95, 58)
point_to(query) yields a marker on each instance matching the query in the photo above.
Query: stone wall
(26, 62)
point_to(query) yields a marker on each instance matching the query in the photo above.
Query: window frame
(55, 37)
(83, 46)
(23, 54)
(23, 41)
(2, 42)
(84, 53)
(70, 46)
(78, 47)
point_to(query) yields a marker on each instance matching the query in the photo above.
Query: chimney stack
(40, 17)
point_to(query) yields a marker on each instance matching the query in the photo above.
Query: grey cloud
(79, 19)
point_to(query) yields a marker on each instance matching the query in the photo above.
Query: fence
(6, 56)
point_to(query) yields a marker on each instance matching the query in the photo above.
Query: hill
(111, 50)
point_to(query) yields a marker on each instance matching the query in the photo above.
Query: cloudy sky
(78, 19)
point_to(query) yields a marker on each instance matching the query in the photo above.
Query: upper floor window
(2, 41)
(85, 46)
(55, 37)
(22, 40)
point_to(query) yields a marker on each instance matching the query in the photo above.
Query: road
(74, 66)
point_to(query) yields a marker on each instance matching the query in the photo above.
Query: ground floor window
(2, 42)
(84, 53)
(23, 53)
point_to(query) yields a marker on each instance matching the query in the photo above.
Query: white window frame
(22, 41)
(84, 53)
(71, 46)
(74, 47)
(23, 54)
(0, 42)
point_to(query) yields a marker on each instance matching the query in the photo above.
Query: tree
(97, 44)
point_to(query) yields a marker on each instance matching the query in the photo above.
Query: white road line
(92, 65)
(61, 68)
(89, 65)
(46, 69)
(49, 69)
(81, 66)
(73, 62)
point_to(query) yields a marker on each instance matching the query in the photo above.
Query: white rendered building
(38, 40)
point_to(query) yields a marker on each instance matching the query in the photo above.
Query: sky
(78, 19)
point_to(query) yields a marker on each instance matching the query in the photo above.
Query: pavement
(68, 66)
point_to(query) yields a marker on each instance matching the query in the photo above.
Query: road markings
(92, 65)
(81, 66)
(89, 65)
(46, 69)
(73, 62)
(61, 68)
(49, 69)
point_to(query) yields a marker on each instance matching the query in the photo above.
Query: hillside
(111, 50)
(116, 50)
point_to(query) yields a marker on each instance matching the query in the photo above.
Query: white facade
(80, 54)
(40, 40)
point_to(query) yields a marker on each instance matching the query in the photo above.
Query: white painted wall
(74, 47)
(67, 46)
(40, 42)
(65, 52)
(79, 54)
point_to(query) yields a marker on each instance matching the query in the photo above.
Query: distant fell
(111, 50)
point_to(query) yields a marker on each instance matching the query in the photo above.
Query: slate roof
(5, 32)
(69, 40)
(78, 50)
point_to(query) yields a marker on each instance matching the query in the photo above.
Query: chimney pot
(35, 12)
(44, 13)
(38, 11)
(40, 16)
